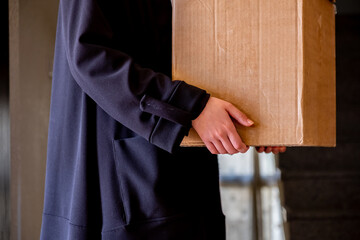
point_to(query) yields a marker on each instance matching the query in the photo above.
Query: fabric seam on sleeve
(168, 101)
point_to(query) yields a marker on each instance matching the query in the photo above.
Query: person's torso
(142, 29)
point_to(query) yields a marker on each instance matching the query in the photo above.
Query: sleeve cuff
(169, 134)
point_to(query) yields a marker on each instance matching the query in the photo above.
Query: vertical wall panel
(32, 38)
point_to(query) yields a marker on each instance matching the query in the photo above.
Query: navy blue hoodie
(114, 166)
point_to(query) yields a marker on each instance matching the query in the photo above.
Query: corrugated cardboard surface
(273, 59)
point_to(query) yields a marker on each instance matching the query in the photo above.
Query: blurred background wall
(32, 35)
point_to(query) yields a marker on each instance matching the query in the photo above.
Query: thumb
(239, 116)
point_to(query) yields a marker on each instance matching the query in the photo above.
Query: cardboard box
(273, 59)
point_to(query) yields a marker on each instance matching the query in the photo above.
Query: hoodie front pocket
(151, 180)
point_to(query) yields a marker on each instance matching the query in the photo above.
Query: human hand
(274, 150)
(217, 130)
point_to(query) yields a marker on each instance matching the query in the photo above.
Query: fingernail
(250, 122)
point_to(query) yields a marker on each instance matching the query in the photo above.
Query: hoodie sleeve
(147, 102)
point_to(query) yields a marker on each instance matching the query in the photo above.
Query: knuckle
(211, 136)
(207, 138)
(221, 134)
(228, 126)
